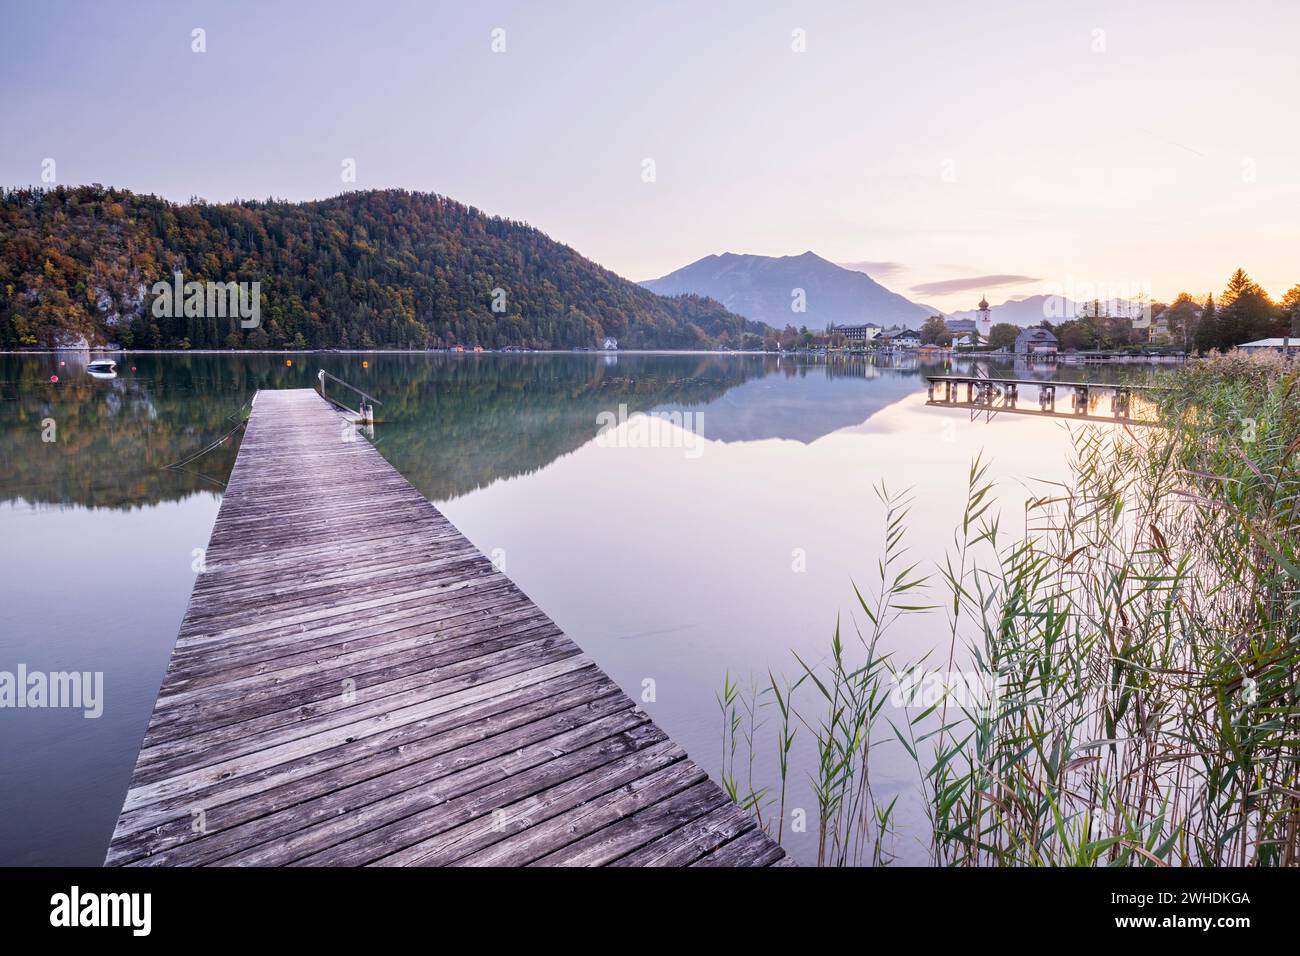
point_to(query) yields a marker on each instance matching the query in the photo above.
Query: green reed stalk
(1145, 636)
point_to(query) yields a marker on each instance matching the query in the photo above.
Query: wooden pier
(355, 683)
(989, 396)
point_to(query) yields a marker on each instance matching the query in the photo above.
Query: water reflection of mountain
(495, 417)
(451, 424)
(805, 402)
(503, 416)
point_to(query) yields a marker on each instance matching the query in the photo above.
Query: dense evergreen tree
(1246, 313)
(1208, 334)
(1243, 313)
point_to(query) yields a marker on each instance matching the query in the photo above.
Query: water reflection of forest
(451, 424)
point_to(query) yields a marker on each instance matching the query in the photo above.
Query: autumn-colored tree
(934, 331)
(1180, 317)
(1003, 336)
(1290, 308)
(384, 268)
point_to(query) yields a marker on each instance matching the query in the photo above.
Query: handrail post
(322, 375)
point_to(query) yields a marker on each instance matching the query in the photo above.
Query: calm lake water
(674, 563)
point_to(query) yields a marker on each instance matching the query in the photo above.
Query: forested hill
(385, 269)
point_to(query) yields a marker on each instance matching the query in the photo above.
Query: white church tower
(984, 324)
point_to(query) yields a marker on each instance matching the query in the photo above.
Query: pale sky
(956, 148)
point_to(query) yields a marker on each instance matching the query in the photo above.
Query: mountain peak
(804, 289)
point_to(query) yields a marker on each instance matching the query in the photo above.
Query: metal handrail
(321, 375)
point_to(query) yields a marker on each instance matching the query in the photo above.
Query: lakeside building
(1289, 346)
(901, 336)
(854, 334)
(967, 332)
(1158, 330)
(1036, 341)
(984, 321)
(611, 344)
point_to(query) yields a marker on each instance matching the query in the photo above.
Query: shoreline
(108, 351)
(1065, 358)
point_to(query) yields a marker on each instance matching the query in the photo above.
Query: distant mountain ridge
(762, 288)
(369, 269)
(1034, 309)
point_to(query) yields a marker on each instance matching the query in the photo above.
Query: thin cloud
(947, 286)
(875, 269)
(1172, 142)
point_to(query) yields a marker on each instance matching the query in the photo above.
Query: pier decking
(355, 683)
(988, 396)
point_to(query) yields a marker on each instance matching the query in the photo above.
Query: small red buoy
(54, 378)
(133, 368)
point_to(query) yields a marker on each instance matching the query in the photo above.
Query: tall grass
(1143, 631)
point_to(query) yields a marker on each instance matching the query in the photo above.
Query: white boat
(102, 365)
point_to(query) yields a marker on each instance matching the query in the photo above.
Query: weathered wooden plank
(484, 789)
(273, 643)
(316, 775)
(281, 825)
(687, 843)
(752, 848)
(319, 728)
(611, 799)
(354, 682)
(415, 646)
(272, 695)
(666, 808)
(363, 643)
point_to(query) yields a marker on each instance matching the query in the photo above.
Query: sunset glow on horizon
(958, 151)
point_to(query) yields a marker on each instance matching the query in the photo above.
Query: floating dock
(354, 683)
